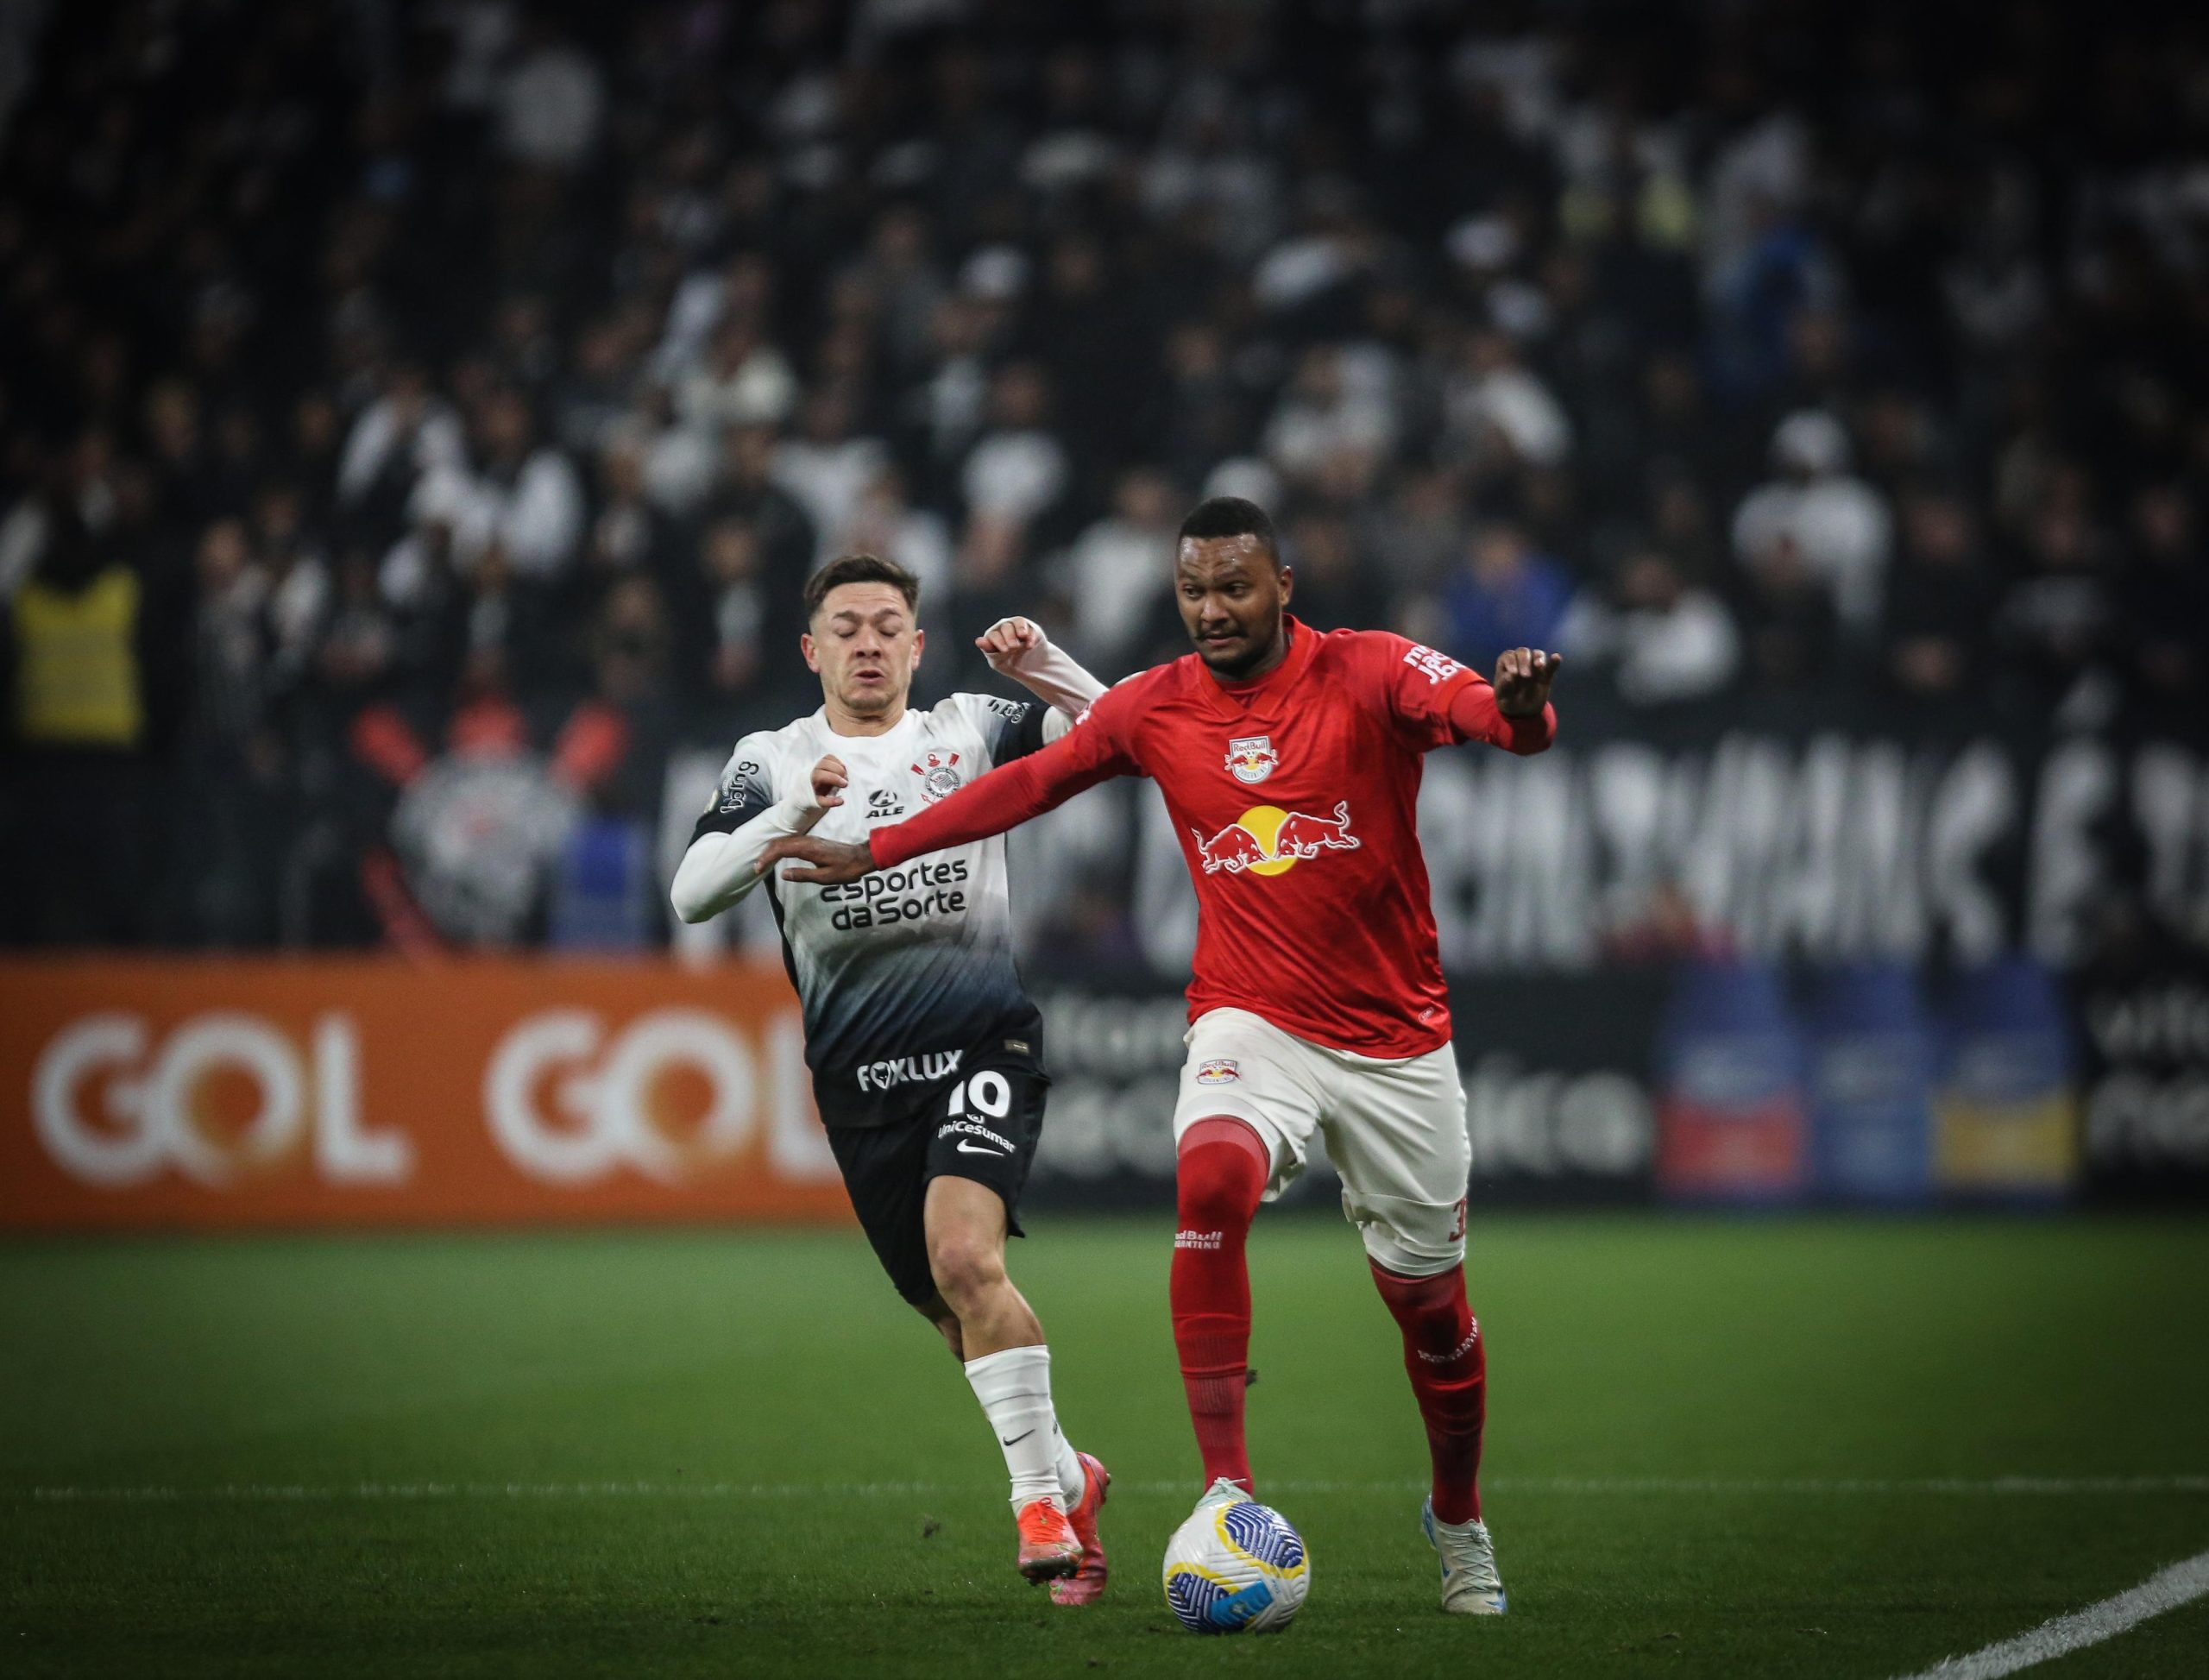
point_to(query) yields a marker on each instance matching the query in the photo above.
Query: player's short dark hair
(1231, 516)
(860, 569)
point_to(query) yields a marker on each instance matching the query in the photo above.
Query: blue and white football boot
(1470, 1585)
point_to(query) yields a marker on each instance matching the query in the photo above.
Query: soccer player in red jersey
(1290, 762)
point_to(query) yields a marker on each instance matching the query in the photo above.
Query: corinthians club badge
(1252, 758)
(938, 773)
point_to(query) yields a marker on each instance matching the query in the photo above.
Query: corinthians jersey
(903, 972)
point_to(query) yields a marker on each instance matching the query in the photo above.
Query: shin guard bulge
(1220, 1175)
(1447, 1360)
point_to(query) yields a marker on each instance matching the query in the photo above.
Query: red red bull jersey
(1295, 797)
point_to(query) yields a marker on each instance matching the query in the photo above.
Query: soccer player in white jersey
(925, 1049)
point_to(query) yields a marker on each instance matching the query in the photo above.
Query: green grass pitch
(736, 1454)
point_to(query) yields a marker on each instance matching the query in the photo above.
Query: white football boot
(1470, 1585)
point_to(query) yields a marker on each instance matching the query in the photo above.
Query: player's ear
(920, 642)
(1286, 576)
(805, 646)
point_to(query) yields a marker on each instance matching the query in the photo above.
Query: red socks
(1219, 1177)
(1448, 1363)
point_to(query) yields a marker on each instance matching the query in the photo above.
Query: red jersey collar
(1259, 696)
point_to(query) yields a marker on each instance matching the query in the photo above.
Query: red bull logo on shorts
(1268, 841)
(1220, 1070)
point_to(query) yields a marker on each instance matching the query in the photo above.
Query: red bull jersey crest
(1252, 758)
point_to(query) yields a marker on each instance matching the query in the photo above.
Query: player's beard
(1233, 664)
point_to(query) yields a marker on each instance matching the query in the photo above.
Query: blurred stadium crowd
(391, 392)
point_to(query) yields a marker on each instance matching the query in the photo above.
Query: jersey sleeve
(721, 866)
(746, 788)
(1433, 701)
(1010, 729)
(1415, 685)
(1096, 748)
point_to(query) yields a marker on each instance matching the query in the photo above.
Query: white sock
(1073, 1481)
(1015, 1389)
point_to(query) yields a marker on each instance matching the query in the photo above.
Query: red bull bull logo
(1268, 841)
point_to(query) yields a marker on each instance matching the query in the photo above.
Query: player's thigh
(984, 1129)
(885, 1174)
(1396, 1134)
(967, 1223)
(1242, 1068)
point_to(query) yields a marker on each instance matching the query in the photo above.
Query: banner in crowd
(368, 1092)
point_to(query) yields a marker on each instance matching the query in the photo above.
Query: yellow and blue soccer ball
(1237, 1568)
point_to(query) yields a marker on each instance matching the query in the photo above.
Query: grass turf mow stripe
(2167, 1590)
(1809, 1449)
(252, 1493)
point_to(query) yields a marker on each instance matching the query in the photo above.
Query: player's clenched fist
(833, 861)
(1004, 643)
(829, 780)
(1522, 681)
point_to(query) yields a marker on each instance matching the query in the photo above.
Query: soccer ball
(1236, 1568)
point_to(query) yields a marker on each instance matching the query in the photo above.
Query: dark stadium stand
(468, 386)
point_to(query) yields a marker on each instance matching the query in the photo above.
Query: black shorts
(980, 1124)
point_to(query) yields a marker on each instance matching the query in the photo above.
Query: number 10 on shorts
(978, 1106)
(990, 1092)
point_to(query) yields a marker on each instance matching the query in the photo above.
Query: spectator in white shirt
(405, 433)
(1838, 525)
(1666, 639)
(527, 495)
(742, 292)
(1118, 569)
(1018, 469)
(827, 468)
(1322, 415)
(741, 381)
(882, 522)
(1494, 404)
(551, 106)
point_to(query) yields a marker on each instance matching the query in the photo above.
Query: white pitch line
(280, 1493)
(2182, 1583)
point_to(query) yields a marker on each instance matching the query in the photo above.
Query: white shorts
(1395, 1130)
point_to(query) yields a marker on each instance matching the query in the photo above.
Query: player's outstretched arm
(720, 868)
(1512, 710)
(1522, 679)
(1018, 648)
(828, 863)
(1004, 799)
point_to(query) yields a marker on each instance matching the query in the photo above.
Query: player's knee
(965, 1264)
(1218, 1181)
(1416, 1241)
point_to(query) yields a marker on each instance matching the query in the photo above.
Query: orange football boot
(1086, 1584)
(1049, 1547)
